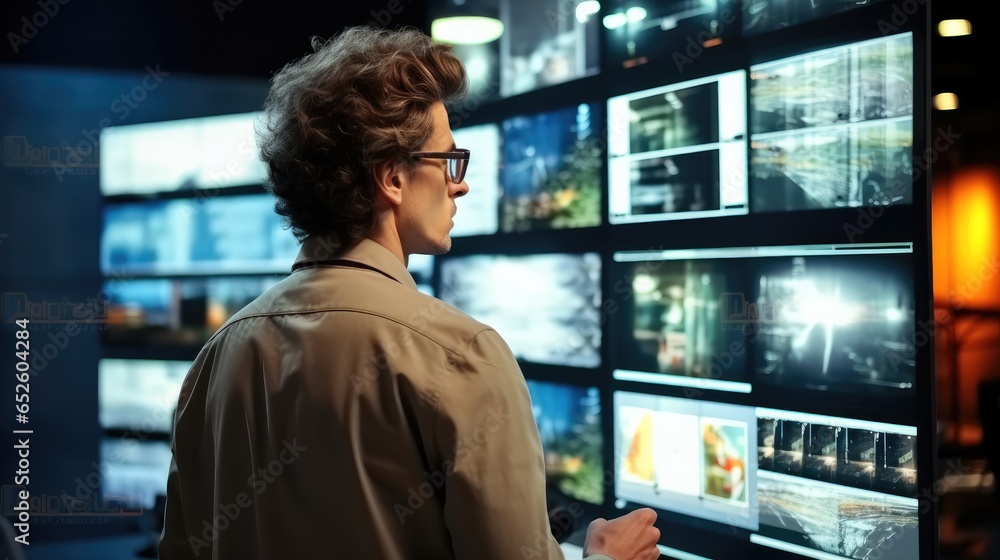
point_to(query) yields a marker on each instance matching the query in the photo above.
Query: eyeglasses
(458, 162)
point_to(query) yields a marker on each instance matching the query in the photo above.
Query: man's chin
(438, 249)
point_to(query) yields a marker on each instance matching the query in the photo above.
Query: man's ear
(388, 178)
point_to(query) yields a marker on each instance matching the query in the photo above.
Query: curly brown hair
(361, 99)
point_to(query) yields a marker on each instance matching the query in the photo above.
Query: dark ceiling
(219, 37)
(254, 39)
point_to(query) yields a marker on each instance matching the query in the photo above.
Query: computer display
(139, 396)
(546, 42)
(679, 151)
(170, 310)
(836, 322)
(838, 486)
(823, 317)
(762, 16)
(553, 318)
(552, 169)
(421, 267)
(135, 472)
(833, 128)
(672, 323)
(688, 456)
(181, 155)
(664, 32)
(815, 485)
(569, 423)
(478, 210)
(218, 235)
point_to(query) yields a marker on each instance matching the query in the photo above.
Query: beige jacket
(345, 414)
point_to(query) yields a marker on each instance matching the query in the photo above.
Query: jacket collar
(319, 250)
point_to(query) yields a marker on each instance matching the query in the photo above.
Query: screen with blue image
(134, 473)
(223, 234)
(177, 310)
(139, 395)
(551, 171)
(569, 423)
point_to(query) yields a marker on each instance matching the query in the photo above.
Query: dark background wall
(51, 221)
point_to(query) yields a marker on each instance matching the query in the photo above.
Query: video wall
(701, 227)
(707, 247)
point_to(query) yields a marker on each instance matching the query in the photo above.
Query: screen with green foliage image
(569, 423)
(552, 170)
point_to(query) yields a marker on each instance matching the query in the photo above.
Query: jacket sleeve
(491, 453)
(173, 544)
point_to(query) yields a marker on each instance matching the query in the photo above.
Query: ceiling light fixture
(463, 27)
(946, 101)
(954, 27)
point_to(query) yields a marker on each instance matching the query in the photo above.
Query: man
(345, 414)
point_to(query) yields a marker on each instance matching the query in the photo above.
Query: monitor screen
(554, 318)
(180, 155)
(672, 325)
(139, 396)
(135, 472)
(835, 322)
(222, 234)
(478, 210)
(817, 486)
(421, 267)
(167, 310)
(762, 16)
(823, 317)
(838, 486)
(678, 151)
(552, 170)
(687, 456)
(546, 42)
(674, 31)
(833, 128)
(569, 423)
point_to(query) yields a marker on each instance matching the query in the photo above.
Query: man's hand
(629, 537)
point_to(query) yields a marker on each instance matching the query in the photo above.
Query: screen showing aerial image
(836, 485)
(569, 423)
(553, 319)
(678, 151)
(688, 456)
(833, 128)
(552, 170)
